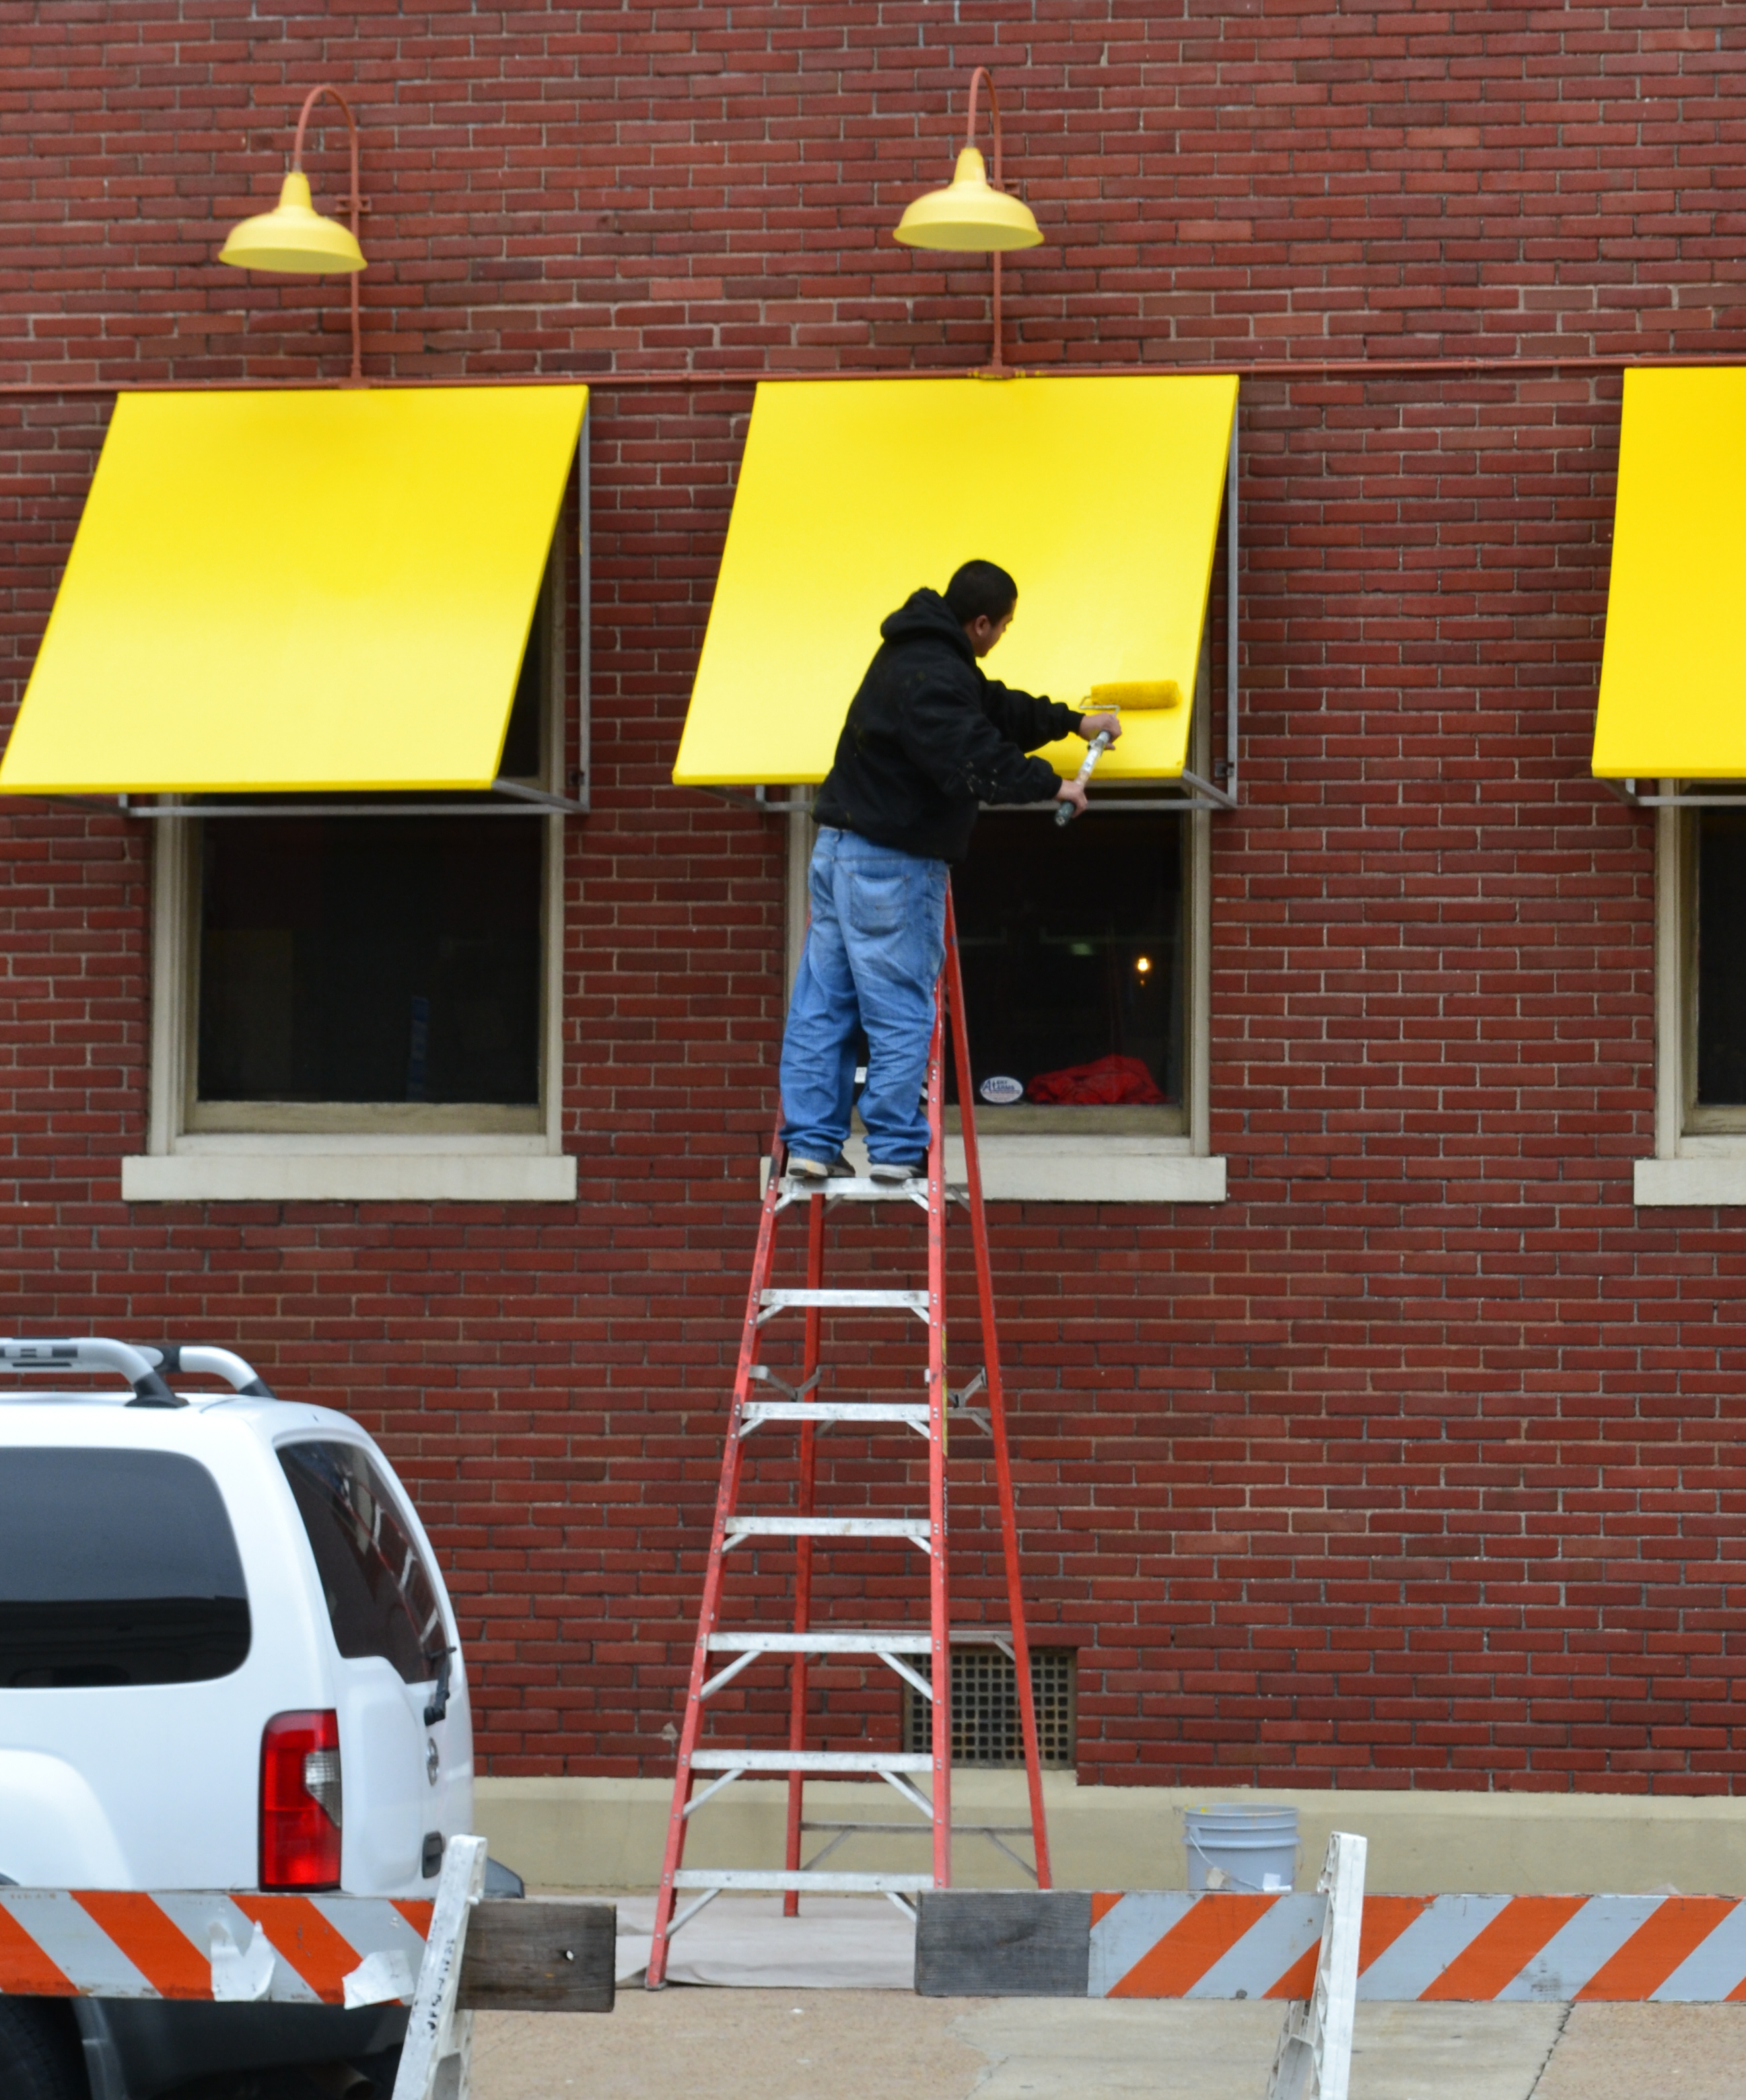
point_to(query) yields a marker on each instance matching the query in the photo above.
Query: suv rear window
(381, 1598)
(116, 1568)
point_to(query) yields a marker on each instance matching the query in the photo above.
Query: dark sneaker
(897, 1169)
(820, 1170)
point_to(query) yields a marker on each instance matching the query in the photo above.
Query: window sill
(347, 1169)
(1114, 1169)
(1697, 1180)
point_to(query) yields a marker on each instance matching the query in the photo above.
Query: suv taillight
(300, 1802)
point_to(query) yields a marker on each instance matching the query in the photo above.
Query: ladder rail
(938, 1400)
(930, 1680)
(953, 976)
(808, 1459)
(732, 1459)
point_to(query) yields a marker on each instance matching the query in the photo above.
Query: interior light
(1143, 964)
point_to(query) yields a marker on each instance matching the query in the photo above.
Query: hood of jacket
(925, 616)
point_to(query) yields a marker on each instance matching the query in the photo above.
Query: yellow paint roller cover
(1673, 686)
(296, 590)
(1101, 495)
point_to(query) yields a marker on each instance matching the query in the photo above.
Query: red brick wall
(1414, 1463)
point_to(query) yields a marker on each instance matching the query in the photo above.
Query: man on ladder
(928, 738)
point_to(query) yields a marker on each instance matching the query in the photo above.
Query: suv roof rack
(139, 1366)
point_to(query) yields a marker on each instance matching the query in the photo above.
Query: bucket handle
(1234, 1881)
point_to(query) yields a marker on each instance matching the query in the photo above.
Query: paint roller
(1131, 696)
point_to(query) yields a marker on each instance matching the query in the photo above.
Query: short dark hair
(980, 589)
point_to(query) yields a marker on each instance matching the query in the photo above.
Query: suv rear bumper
(136, 2047)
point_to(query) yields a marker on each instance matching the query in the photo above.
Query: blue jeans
(873, 952)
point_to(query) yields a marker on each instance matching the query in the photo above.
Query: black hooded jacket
(928, 738)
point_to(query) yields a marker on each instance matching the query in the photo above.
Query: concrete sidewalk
(776, 2044)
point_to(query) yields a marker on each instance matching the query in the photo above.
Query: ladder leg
(997, 1414)
(726, 1496)
(802, 1551)
(939, 1620)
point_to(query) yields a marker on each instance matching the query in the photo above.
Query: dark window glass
(371, 959)
(1722, 959)
(985, 1724)
(1072, 944)
(116, 1568)
(380, 1596)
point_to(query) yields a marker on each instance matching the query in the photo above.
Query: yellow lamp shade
(969, 215)
(293, 236)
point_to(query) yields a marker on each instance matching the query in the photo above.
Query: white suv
(226, 1661)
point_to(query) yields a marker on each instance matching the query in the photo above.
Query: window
(349, 960)
(1715, 974)
(986, 1728)
(380, 1599)
(356, 1005)
(1073, 944)
(116, 1568)
(1086, 946)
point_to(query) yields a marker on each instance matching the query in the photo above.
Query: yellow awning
(298, 591)
(1672, 686)
(1101, 496)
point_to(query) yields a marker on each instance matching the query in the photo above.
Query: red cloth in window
(1105, 1082)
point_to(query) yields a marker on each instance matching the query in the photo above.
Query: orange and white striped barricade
(234, 1946)
(1168, 1943)
(1637, 1949)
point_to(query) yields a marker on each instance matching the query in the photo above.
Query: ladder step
(900, 1301)
(842, 1885)
(812, 1761)
(918, 1828)
(916, 1528)
(828, 1411)
(848, 1640)
(863, 1189)
(856, 1301)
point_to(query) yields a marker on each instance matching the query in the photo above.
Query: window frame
(1699, 1154)
(393, 1151)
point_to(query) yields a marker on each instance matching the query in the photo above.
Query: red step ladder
(920, 1653)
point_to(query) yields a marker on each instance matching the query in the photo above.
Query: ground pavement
(774, 2044)
(790, 2031)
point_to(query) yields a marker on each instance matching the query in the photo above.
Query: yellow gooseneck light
(293, 235)
(969, 214)
(972, 215)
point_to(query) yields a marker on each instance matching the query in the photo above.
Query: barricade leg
(437, 2060)
(1314, 2060)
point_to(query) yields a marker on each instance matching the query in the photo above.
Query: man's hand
(1070, 790)
(1105, 725)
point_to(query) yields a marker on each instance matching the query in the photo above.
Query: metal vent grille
(986, 1713)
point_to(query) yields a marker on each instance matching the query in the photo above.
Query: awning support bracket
(517, 799)
(1629, 792)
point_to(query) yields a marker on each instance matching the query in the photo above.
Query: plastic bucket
(1242, 1847)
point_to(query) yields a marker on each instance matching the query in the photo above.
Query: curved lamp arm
(310, 100)
(997, 368)
(977, 78)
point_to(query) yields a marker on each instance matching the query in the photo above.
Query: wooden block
(1000, 1944)
(539, 1955)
